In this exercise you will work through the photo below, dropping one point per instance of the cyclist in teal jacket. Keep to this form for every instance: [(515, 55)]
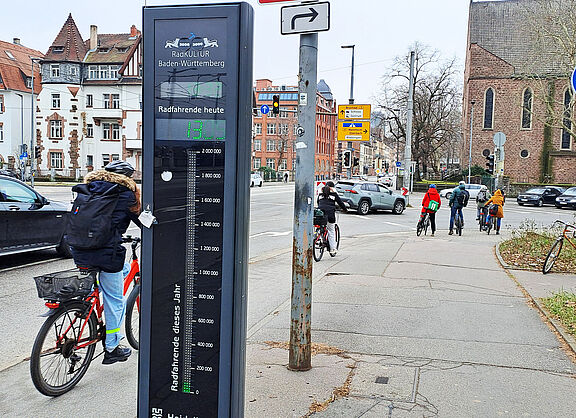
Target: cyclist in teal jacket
[(458, 200)]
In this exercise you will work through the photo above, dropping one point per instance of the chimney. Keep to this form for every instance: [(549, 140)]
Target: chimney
[(16, 41), (133, 31), (93, 36)]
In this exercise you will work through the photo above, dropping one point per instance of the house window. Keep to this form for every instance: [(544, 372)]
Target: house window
[(257, 145), (73, 71), (10, 55), (115, 101), (567, 121), (58, 49), (89, 161), (257, 163), (283, 164), (103, 72), (55, 101), (114, 71), (270, 145), (283, 114), (105, 160), (283, 129), (527, 109), (56, 160), (55, 70), (28, 82), (89, 131), (270, 162), (489, 109), (258, 128), (93, 71), (271, 129), (115, 157), (111, 130), (55, 129), (106, 100), (1, 132), (89, 100), (1, 104)]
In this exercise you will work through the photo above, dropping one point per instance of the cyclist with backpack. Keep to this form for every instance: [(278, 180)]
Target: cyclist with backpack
[(483, 196), (104, 206), (458, 200), (496, 208), (327, 200), (430, 204)]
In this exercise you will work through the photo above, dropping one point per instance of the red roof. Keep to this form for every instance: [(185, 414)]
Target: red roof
[(68, 45), (15, 66)]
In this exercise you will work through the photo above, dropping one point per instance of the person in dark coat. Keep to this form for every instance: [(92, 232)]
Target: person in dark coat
[(327, 200), (110, 259)]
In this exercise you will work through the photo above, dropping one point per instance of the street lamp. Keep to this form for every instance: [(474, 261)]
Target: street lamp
[(351, 100), (470, 152)]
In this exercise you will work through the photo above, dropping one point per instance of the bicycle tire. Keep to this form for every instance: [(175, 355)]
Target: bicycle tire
[(132, 321), (553, 254), (419, 228), (318, 245), (337, 233), (489, 225), (458, 225), (426, 224), (482, 222), (67, 318)]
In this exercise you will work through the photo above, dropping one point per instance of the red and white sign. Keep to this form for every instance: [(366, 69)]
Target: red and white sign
[(273, 1)]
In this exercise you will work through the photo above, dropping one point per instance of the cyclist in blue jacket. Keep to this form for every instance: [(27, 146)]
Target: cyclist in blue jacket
[(458, 200)]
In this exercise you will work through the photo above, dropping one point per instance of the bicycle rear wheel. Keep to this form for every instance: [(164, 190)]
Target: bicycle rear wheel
[(426, 223), (318, 245), (458, 225), (419, 227), (57, 363), (337, 233), (132, 321), (553, 254), (489, 225)]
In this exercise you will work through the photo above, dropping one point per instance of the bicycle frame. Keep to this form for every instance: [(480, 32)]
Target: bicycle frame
[(568, 228)]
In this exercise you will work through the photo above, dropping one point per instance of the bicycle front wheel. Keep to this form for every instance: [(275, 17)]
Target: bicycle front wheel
[(132, 321), (63, 349), (337, 233), (318, 245), (553, 254), (419, 228), (426, 224)]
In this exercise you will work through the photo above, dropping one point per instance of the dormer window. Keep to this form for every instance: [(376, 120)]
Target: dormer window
[(103, 50), (28, 83), (57, 49), (122, 49), (10, 55)]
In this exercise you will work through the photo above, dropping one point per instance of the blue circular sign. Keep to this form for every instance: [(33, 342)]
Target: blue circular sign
[(265, 109), (573, 80)]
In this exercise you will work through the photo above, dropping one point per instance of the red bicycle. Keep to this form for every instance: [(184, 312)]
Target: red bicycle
[(66, 342), (320, 242)]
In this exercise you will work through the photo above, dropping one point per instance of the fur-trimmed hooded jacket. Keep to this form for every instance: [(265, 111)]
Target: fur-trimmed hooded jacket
[(110, 258)]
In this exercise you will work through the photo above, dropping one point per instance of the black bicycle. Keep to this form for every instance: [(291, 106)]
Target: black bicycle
[(423, 224), (482, 218)]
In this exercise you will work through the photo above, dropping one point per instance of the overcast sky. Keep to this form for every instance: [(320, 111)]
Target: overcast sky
[(380, 29)]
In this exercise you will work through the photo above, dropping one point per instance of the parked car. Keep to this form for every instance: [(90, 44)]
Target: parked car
[(473, 189), (567, 199), (256, 180), (366, 196), (29, 221), (8, 173), (539, 196)]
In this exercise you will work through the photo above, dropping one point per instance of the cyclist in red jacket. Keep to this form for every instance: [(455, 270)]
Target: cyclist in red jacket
[(431, 203)]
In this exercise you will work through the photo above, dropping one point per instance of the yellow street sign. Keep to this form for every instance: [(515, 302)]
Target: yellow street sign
[(353, 131), (353, 111)]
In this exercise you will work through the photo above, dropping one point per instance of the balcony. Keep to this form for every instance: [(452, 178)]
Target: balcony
[(101, 113), (134, 144)]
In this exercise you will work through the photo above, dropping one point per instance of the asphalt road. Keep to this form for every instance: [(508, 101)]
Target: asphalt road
[(270, 235)]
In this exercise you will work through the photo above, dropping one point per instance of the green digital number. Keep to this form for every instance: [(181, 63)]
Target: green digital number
[(196, 132)]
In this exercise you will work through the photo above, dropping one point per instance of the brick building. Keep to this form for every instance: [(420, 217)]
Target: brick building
[(273, 143), (510, 75)]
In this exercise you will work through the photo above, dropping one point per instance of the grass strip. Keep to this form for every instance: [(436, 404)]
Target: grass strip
[(562, 306)]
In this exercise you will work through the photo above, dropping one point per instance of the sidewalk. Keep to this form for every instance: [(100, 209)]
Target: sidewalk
[(437, 322)]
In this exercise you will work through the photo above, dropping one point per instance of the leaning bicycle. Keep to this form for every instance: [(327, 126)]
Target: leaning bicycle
[(320, 242), (66, 343), (568, 234)]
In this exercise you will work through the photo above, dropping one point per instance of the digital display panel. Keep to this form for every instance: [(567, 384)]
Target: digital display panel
[(191, 89), (191, 129)]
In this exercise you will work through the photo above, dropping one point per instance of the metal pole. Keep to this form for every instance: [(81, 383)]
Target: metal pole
[(300, 344), (409, 111), (470, 152), (351, 101), (32, 131)]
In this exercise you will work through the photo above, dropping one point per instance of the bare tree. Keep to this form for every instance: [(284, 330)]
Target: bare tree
[(437, 106)]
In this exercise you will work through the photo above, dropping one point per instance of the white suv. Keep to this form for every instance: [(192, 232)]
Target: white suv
[(473, 190)]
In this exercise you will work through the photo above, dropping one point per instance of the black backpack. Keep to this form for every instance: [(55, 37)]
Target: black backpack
[(463, 197), (90, 221)]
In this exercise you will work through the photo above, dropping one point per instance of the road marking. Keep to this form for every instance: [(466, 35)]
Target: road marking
[(271, 234), (35, 263), (395, 224)]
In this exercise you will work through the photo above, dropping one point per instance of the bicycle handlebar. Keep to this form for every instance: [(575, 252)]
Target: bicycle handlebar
[(566, 225)]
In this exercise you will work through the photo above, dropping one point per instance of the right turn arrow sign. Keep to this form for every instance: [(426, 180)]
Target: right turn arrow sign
[(305, 18)]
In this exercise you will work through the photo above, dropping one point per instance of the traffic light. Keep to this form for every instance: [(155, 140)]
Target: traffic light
[(275, 104), (37, 152), (346, 159), (356, 161), (490, 164)]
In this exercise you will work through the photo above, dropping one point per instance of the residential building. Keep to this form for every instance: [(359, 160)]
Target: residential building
[(274, 136), (509, 76), (89, 110), (16, 101)]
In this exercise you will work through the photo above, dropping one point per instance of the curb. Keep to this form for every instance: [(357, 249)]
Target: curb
[(565, 336)]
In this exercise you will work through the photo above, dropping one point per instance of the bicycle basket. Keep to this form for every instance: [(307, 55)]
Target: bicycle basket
[(320, 218), (64, 285)]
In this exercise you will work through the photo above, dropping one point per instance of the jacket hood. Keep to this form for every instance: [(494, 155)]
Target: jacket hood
[(103, 175), (498, 193)]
